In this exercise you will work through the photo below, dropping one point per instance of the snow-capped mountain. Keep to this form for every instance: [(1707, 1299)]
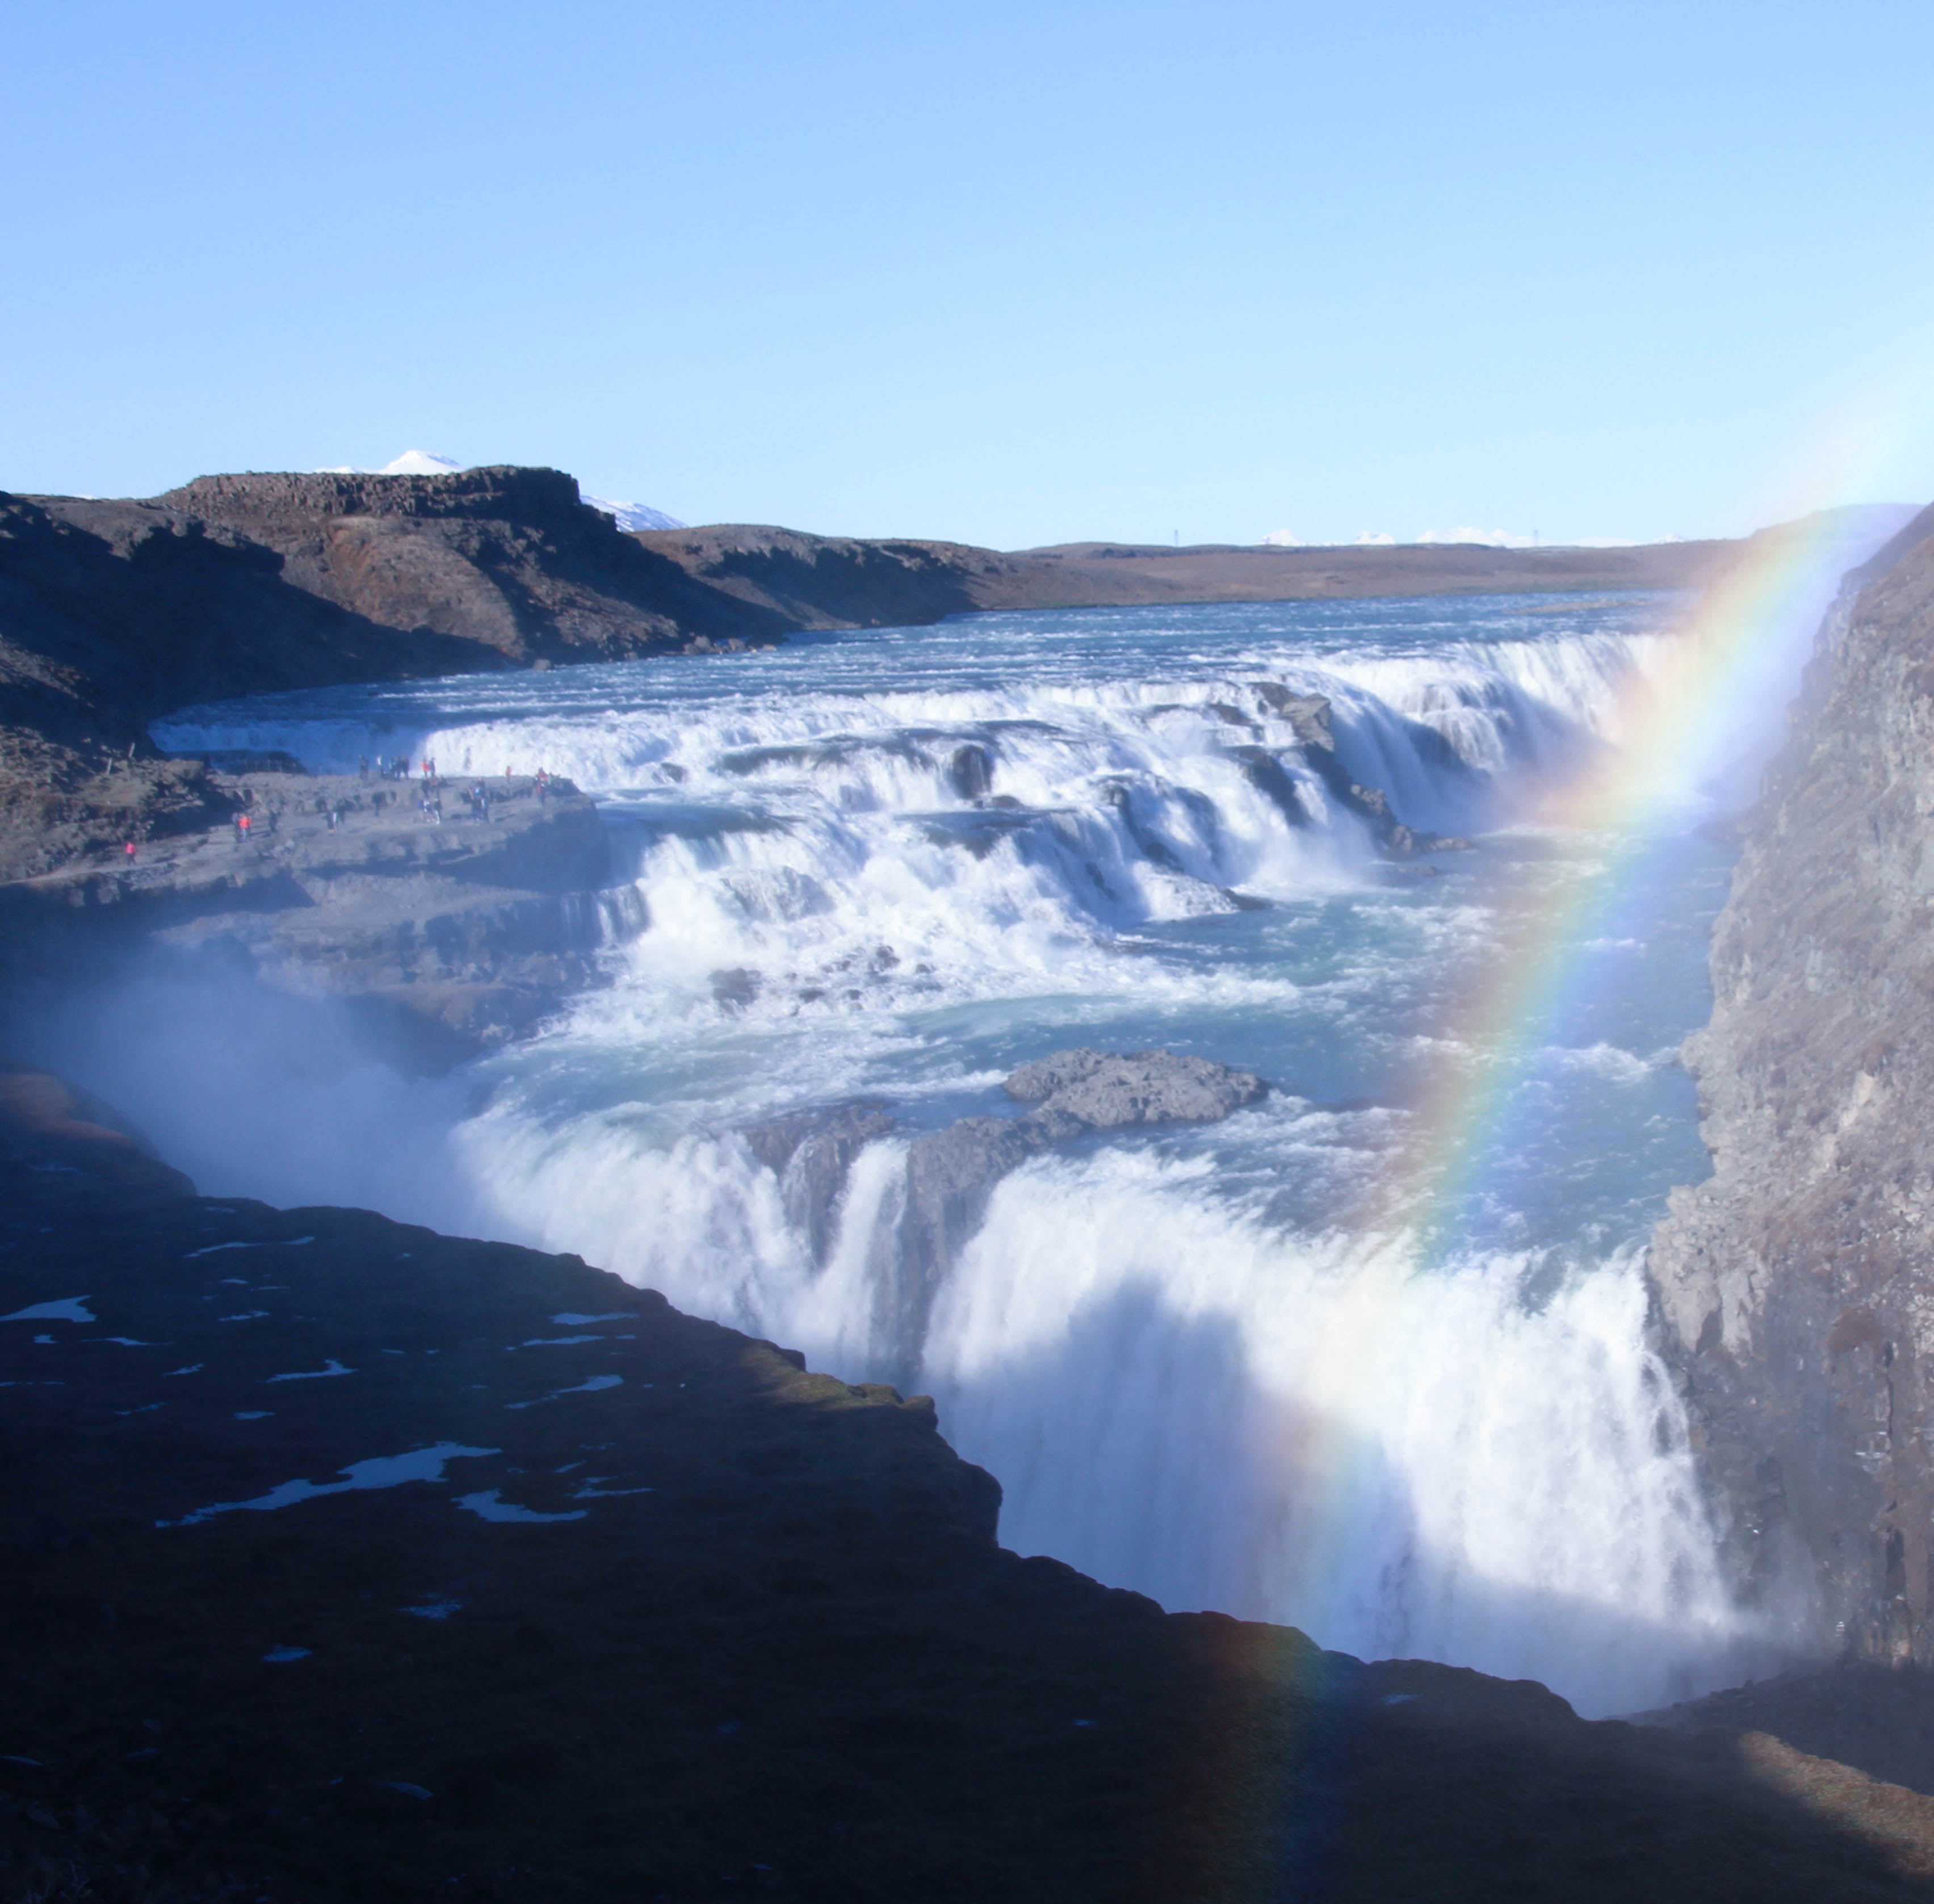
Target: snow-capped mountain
[(411, 463), (634, 515), (420, 462)]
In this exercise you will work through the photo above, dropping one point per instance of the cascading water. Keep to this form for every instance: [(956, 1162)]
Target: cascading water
[(867, 877)]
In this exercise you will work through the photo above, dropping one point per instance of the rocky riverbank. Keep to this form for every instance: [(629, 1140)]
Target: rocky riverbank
[(349, 1561), (453, 915), (1796, 1285)]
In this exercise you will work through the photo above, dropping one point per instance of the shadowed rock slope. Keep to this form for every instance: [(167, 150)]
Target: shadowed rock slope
[(1796, 1284), (445, 935), (347, 1561)]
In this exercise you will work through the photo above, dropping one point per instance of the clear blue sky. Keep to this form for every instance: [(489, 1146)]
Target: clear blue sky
[(1009, 273)]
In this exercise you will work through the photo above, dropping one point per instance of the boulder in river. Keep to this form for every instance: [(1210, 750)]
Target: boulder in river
[(951, 1174)]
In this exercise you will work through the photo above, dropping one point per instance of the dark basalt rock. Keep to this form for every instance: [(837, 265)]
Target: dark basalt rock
[(1309, 716), (811, 1153), (1271, 778), (970, 771)]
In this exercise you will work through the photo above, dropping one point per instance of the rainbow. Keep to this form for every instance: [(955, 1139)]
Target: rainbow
[(1258, 1777), (1736, 658)]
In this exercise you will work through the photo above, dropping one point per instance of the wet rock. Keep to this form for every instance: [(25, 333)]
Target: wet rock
[(971, 771), (1105, 1091), (951, 1173), (1149, 843), (812, 1152), (1268, 775), (734, 987), (1308, 714)]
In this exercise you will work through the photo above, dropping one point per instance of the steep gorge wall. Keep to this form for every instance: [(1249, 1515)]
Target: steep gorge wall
[(1796, 1284)]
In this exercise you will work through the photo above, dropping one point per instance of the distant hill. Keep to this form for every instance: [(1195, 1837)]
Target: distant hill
[(822, 581)]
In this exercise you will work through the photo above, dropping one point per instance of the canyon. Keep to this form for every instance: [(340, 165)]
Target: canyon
[(765, 1640)]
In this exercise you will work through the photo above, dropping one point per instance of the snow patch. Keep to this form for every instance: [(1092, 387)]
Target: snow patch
[(382, 1470), (72, 1308), (492, 1506), (591, 1386), (334, 1368)]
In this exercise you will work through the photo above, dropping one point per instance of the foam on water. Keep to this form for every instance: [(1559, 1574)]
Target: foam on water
[(892, 866)]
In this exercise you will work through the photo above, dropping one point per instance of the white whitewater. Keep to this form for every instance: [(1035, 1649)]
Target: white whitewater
[(894, 868)]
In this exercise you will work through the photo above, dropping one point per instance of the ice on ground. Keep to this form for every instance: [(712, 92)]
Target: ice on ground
[(193, 1369), (581, 1388), (334, 1368), (554, 1342), (381, 1470), (282, 1656), (436, 1609), (71, 1308), (571, 1320), (491, 1506), (255, 1415), (594, 1489), (210, 1249)]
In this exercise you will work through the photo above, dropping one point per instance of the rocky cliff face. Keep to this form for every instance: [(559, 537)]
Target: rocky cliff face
[(447, 935), (509, 558), (1796, 1285)]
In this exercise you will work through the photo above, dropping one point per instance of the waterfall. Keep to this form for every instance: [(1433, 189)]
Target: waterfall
[(858, 884)]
